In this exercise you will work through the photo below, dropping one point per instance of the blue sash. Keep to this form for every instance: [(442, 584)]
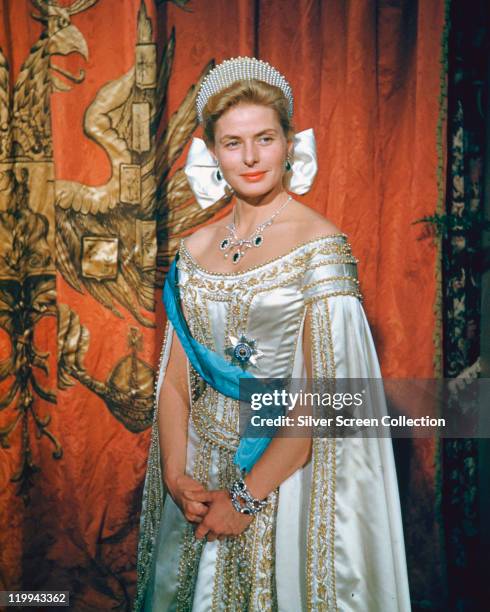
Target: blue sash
[(216, 371)]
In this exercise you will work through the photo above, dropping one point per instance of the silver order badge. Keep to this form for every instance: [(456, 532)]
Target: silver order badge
[(243, 351)]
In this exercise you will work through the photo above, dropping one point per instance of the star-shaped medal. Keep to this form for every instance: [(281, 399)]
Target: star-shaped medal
[(243, 351)]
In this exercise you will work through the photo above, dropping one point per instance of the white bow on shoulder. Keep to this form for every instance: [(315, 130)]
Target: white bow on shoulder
[(202, 171)]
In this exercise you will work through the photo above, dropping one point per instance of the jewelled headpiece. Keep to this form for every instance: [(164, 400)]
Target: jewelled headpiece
[(241, 69)]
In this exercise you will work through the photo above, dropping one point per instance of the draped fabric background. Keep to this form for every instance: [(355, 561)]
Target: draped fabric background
[(94, 125), (464, 264)]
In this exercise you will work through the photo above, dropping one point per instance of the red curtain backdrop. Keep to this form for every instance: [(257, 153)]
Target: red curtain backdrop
[(367, 76)]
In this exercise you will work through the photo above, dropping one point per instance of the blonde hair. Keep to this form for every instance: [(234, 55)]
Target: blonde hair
[(251, 92)]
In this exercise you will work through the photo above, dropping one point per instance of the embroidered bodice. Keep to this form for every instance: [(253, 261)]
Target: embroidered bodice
[(265, 304)]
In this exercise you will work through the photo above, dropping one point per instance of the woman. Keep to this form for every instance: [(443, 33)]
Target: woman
[(291, 523)]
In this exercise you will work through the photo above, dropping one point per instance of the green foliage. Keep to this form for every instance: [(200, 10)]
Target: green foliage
[(445, 224)]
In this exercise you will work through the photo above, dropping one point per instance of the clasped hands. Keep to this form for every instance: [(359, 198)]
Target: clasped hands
[(211, 511)]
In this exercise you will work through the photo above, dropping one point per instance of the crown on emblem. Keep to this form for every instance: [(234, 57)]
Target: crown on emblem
[(241, 69)]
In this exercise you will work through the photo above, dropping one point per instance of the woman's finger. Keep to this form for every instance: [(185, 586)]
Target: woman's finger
[(197, 508), (201, 531), (193, 518), (198, 496), (189, 483)]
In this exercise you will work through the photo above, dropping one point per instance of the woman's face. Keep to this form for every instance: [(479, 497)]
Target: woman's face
[(251, 148)]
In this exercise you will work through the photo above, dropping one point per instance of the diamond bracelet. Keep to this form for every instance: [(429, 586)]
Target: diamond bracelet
[(238, 491)]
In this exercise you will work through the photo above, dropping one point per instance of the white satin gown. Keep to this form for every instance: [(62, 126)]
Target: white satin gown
[(331, 537)]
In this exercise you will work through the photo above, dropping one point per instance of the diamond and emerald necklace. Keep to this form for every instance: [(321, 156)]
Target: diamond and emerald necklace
[(239, 246)]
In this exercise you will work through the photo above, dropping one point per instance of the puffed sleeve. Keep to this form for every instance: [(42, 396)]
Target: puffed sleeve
[(331, 271)]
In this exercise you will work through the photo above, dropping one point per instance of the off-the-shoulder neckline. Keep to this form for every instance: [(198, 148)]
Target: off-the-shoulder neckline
[(197, 265)]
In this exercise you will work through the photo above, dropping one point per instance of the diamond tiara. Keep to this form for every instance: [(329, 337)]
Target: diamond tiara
[(241, 69)]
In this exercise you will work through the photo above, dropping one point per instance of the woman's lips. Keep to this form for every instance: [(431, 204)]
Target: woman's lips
[(253, 177)]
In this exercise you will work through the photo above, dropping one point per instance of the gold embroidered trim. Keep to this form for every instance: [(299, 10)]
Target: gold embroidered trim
[(215, 286), (350, 259), (190, 548), (332, 482), (320, 561), (331, 279), (183, 250), (263, 595), (322, 296), (153, 495), (211, 429)]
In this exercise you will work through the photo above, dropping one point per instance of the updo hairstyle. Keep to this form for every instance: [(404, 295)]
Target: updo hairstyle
[(250, 92)]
